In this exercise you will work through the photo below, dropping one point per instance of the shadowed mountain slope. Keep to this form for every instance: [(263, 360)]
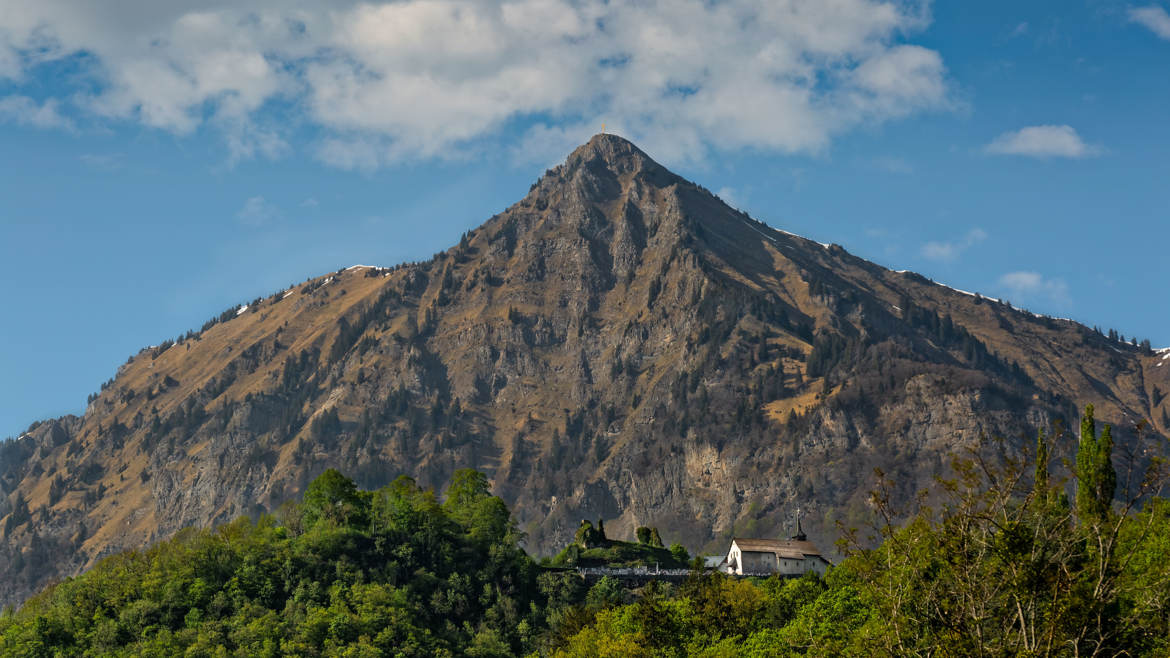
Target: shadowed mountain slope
[(618, 344)]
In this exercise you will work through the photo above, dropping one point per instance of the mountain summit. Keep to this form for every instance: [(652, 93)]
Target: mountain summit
[(618, 344)]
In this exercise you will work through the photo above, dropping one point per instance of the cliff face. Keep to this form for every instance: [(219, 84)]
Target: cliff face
[(618, 344)]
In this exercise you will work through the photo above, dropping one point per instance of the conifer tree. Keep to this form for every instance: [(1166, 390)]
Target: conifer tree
[(1106, 476), (1086, 460), (1096, 479), (1041, 477)]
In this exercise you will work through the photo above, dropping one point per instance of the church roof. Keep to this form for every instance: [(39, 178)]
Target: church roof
[(785, 548)]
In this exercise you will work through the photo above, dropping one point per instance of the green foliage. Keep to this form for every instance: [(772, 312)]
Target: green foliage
[(345, 572), (999, 568), (648, 536), (712, 615), (589, 537), (334, 498), (1040, 477), (1096, 479), (486, 517), (615, 553), (643, 534)]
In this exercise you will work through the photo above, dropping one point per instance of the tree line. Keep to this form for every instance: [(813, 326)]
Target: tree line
[(1060, 550)]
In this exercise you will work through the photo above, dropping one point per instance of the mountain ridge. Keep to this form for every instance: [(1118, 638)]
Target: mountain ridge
[(617, 343)]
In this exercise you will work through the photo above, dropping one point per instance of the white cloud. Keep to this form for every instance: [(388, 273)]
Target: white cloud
[(1032, 286), (25, 111), (950, 251), (430, 78), (257, 211), (246, 140), (1019, 30), (1041, 142), (1153, 17), (896, 82)]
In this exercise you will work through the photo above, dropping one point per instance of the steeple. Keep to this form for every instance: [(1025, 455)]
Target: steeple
[(799, 536)]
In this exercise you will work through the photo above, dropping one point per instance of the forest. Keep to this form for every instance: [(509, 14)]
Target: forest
[(1054, 550)]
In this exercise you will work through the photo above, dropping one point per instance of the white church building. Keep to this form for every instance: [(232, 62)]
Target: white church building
[(789, 557)]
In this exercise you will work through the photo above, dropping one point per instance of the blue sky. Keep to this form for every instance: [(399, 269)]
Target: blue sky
[(159, 164)]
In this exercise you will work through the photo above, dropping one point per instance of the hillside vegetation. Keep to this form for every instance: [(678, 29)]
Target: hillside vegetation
[(591, 548), (1006, 564), (345, 572)]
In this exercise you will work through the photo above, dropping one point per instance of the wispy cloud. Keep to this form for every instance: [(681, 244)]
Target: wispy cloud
[(1042, 142), (257, 211), (387, 81), (1025, 286), (951, 251), (26, 111), (1152, 17), (1019, 30)]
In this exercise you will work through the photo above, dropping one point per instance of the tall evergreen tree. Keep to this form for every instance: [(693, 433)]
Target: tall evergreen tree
[(1086, 460), (1096, 479), (1106, 476), (1041, 476)]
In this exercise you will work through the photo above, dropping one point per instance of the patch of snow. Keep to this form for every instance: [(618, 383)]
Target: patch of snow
[(1050, 317), (969, 294), (354, 267), (762, 234), (327, 281), (287, 293), (240, 311), (823, 244)]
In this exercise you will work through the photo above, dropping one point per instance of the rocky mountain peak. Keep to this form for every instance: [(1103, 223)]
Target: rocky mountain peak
[(601, 170), (611, 151), (618, 344)]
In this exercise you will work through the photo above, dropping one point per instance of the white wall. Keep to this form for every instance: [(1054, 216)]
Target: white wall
[(767, 562)]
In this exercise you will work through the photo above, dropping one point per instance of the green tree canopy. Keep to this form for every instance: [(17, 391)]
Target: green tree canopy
[(334, 497), (470, 502)]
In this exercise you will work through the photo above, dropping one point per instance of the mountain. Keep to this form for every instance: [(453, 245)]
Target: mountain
[(618, 344)]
